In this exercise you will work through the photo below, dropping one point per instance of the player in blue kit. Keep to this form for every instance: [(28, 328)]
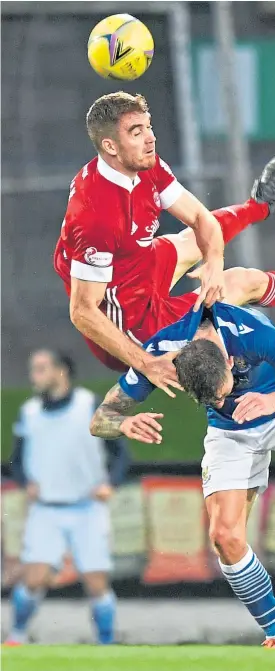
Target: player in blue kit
[(225, 358)]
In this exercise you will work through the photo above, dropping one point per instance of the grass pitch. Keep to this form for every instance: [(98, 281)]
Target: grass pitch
[(137, 658)]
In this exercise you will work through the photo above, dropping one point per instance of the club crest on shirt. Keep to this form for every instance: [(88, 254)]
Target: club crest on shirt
[(241, 371), (157, 200)]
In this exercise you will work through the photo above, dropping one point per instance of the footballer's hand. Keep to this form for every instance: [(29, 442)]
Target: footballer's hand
[(32, 491), (103, 493), (162, 373), (143, 427), (253, 405), (263, 190), (212, 281)]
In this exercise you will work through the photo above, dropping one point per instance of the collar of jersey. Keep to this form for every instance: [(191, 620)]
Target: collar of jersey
[(195, 320), (115, 176)]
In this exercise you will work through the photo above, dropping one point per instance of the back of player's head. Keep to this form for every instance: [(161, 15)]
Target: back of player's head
[(202, 370), (105, 113)]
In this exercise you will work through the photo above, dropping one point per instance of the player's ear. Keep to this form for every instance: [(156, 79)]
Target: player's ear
[(230, 362), (109, 146)]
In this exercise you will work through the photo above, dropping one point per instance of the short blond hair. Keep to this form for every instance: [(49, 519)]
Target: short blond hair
[(105, 113)]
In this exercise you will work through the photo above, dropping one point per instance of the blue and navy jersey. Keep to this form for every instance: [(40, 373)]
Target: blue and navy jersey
[(247, 335)]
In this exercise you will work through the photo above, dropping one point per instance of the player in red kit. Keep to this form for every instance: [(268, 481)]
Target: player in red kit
[(118, 276)]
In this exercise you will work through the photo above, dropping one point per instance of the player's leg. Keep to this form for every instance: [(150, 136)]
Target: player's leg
[(232, 220), (235, 467), (90, 544), (246, 285), (43, 548)]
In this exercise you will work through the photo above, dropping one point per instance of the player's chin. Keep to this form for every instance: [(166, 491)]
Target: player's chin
[(148, 161)]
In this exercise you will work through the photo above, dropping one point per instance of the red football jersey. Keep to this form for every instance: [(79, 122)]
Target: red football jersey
[(107, 234)]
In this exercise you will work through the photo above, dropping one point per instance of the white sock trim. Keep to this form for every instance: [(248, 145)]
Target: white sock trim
[(234, 568)]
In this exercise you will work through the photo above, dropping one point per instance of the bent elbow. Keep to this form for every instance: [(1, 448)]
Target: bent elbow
[(79, 314)]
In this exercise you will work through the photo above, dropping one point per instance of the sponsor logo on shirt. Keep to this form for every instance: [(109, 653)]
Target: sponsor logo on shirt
[(134, 228), (235, 330), (98, 259), (151, 230), (243, 329)]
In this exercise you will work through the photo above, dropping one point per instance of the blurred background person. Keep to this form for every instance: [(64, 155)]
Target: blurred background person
[(64, 471)]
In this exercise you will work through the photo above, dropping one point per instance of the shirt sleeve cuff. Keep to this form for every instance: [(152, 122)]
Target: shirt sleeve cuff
[(172, 192), (90, 273)]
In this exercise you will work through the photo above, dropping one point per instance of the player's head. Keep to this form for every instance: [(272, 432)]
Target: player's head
[(119, 125), (50, 371), (204, 372)]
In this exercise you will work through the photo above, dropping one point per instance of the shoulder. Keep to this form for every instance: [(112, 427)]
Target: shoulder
[(84, 396), (245, 316), (31, 407), (160, 168), (83, 191), (169, 339)]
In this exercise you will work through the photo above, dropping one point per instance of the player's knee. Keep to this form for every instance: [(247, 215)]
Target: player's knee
[(36, 576), (226, 540)]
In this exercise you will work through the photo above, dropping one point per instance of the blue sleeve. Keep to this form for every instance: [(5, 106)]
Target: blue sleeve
[(261, 341), (136, 385), (171, 338)]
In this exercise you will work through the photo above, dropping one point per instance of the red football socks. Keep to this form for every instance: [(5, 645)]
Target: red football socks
[(236, 218)]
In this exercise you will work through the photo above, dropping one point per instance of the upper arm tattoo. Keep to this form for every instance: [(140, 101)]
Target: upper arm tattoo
[(111, 413)]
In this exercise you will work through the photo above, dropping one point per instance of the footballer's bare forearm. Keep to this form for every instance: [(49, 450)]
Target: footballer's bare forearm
[(209, 236), (111, 413), (206, 227), (93, 324)]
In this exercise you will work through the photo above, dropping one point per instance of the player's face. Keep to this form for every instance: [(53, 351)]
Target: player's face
[(136, 142), (43, 372)]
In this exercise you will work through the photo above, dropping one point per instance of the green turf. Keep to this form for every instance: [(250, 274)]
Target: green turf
[(142, 658), (183, 426)]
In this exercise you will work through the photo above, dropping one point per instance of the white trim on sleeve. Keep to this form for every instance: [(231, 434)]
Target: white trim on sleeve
[(90, 273), (172, 192)]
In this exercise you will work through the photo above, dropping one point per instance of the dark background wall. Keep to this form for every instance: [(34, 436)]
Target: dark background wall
[(47, 87)]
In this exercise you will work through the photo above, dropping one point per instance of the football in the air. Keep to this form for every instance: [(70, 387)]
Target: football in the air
[(120, 47)]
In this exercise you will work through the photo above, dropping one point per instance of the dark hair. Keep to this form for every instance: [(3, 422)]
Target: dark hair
[(105, 113), (201, 369), (60, 359), (63, 360)]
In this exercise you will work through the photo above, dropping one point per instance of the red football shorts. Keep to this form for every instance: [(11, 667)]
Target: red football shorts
[(162, 309)]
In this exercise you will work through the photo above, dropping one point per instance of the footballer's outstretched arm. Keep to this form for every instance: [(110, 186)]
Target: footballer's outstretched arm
[(91, 322), (110, 419), (209, 239)]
